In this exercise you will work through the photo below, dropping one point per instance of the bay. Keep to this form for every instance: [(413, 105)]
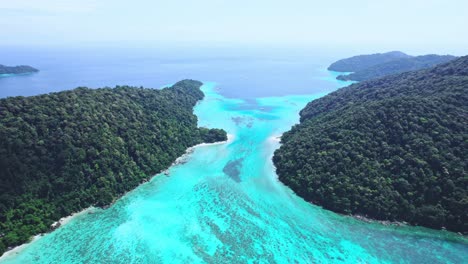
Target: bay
[(224, 204)]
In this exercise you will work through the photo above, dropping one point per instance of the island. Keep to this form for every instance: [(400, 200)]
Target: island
[(362, 62), (66, 151), (395, 66), (22, 69), (393, 148)]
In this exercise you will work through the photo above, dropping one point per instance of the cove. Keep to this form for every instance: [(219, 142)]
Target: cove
[(224, 204)]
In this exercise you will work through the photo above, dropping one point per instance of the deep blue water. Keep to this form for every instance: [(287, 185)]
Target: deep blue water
[(238, 73)]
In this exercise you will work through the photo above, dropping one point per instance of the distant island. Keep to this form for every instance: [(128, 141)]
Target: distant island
[(393, 148), (22, 69), (386, 65), (63, 152), (362, 62)]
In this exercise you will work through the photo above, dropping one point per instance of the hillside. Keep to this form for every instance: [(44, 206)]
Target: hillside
[(362, 62), (17, 69), (396, 66), (66, 151), (392, 148)]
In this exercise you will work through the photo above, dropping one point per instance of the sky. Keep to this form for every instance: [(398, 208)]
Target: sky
[(425, 25)]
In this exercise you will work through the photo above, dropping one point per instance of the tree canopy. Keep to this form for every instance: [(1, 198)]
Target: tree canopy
[(63, 152), (396, 66), (393, 148), (361, 62), (17, 69)]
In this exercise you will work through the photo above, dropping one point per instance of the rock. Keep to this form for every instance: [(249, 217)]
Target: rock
[(55, 225)]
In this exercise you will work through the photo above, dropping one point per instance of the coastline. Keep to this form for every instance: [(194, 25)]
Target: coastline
[(393, 223), (183, 159), (275, 138), (370, 220), (230, 138), (61, 222), (66, 219), (16, 250), (5, 75)]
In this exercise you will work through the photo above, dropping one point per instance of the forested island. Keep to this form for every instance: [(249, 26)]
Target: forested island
[(395, 66), (393, 148), (362, 62), (22, 69), (63, 152)]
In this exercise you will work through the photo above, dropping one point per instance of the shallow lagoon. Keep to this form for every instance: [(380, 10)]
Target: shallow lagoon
[(225, 205)]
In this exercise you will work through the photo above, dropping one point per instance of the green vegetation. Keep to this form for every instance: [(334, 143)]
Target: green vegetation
[(362, 62), (63, 152), (393, 148), (17, 69), (396, 66)]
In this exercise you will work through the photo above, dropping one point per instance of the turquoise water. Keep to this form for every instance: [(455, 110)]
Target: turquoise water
[(225, 205)]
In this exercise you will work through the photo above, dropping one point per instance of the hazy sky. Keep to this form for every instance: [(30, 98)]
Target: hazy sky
[(431, 25)]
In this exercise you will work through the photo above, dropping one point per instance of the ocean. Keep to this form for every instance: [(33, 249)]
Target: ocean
[(238, 73)]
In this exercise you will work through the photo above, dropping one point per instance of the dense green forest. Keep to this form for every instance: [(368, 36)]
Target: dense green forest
[(62, 152), (362, 62), (393, 148), (17, 69), (396, 66)]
